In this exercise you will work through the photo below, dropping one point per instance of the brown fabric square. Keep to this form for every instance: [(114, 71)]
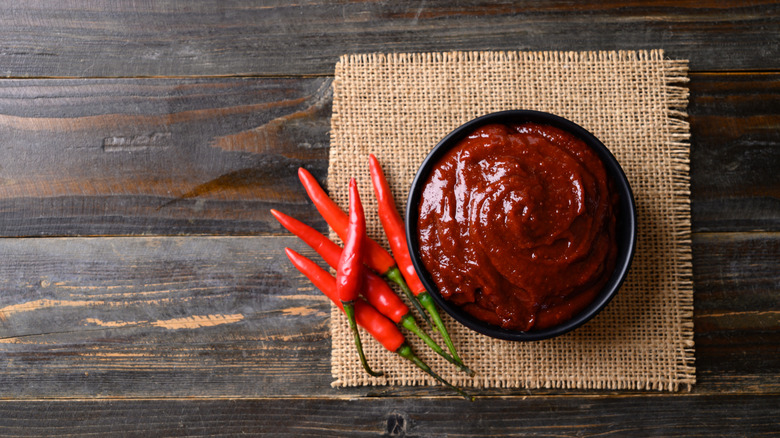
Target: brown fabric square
[(398, 106)]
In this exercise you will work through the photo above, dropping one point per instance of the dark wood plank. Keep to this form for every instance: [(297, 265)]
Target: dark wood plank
[(158, 156), (735, 151), (210, 37), (687, 415), (737, 310), (211, 156), (230, 317), (179, 316)]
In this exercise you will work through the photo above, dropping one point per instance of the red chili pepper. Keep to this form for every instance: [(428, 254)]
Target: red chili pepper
[(377, 258), (394, 226), (375, 289), (396, 235), (378, 326), (349, 278), (350, 270)]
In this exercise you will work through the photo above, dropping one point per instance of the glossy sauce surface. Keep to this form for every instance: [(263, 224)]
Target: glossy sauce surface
[(517, 226)]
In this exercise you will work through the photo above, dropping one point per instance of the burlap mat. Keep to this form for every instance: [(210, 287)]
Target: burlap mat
[(398, 106)]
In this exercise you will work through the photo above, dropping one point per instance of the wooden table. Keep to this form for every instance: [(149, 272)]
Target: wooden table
[(144, 291)]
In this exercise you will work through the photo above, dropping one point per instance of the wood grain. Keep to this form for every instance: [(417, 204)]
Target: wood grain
[(209, 37), (230, 317), (158, 156), (668, 416), (109, 317), (736, 310), (735, 151), (211, 156), (194, 324)]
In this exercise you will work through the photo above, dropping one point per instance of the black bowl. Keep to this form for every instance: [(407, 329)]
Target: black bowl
[(625, 231)]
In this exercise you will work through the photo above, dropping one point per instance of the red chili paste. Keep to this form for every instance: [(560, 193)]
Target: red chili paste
[(517, 225)]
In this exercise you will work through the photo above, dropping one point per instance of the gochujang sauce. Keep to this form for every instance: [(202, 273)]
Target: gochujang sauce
[(517, 225)]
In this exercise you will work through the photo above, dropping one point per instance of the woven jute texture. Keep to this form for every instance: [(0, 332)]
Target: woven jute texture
[(398, 106)]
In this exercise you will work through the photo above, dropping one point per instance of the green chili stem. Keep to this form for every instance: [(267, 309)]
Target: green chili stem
[(427, 302), (349, 310), (405, 351), (394, 275), (410, 324)]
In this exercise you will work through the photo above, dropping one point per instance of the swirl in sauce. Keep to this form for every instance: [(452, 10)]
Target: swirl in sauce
[(517, 225)]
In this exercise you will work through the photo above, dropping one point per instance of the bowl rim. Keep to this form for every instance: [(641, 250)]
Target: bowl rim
[(626, 229)]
